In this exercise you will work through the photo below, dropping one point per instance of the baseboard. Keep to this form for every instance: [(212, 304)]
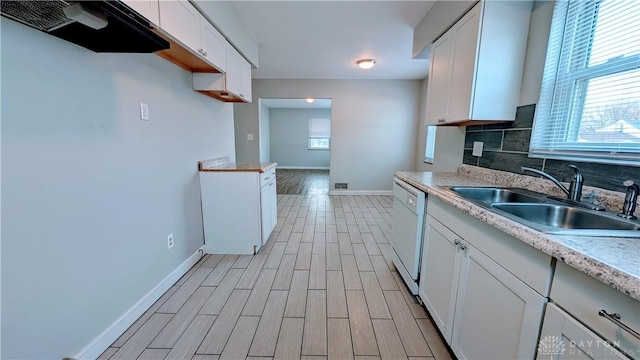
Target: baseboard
[(303, 167), (360, 192), (113, 332)]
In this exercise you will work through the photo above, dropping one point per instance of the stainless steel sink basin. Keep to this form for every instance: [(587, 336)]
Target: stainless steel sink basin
[(565, 217), (548, 214), (491, 195)]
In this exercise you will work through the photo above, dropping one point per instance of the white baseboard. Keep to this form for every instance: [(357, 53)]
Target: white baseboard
[(360, 192), (113, 332), (304, 167)]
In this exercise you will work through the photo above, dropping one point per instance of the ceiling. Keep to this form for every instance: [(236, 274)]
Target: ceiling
[(323, 39), (296, 103)]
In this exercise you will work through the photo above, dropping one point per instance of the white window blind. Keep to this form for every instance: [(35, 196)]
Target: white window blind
[(589, 106), (319, 133), (430, 144)]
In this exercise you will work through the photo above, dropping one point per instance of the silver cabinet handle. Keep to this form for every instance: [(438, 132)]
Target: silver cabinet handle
[(241, 95), (463, 247), (615, 318), (456, 242), (441, 120)]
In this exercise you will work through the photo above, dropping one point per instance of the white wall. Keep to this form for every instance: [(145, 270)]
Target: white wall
[(373, 124), (90, 192), (290, 138), (264, 135)]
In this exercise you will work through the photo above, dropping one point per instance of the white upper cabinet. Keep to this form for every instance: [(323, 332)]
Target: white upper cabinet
[(148, 9), (181, 20), (213, 44), (476, 66), (196, 45), (232, 86)]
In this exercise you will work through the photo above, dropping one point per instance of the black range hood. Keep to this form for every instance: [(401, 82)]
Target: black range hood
[(125, 31)]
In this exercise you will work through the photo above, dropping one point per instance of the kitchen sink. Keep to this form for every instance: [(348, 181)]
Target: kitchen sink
[(491, 195), (548, 214), (565, 217)]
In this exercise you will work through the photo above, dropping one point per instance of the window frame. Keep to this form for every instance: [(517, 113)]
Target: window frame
[(575, 74)]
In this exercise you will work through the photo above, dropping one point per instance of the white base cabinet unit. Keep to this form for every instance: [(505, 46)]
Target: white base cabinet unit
[(577, 322), (476, 66), (484, 290), (239, 210)]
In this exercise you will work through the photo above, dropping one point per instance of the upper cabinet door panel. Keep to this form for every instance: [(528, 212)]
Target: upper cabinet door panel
[(438, 80), (213, 45), (464, 45), (182, 21), (148, 9)]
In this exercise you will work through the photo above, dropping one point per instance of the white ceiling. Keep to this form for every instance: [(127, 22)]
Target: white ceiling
[(323, 39), (296, 103)]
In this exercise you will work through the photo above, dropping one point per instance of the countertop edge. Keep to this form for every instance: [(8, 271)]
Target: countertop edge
[(240, 167), (606, 273)]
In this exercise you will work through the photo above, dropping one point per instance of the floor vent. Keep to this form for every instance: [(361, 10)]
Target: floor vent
[(341, 186)]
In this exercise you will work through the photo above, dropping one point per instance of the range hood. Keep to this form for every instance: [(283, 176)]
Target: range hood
[(101, 26)]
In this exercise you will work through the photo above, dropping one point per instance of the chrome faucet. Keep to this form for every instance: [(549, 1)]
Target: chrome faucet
[(630, 200), (575, 186)]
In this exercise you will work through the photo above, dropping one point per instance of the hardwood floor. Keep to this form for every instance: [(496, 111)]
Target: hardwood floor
[(323, 287), (302, 181)]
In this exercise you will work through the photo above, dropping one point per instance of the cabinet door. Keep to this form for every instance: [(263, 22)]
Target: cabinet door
[(563, 337), (148, 9), (437, 87), (182, 21), (265, 212), (233, 71), (497, 315), (464, 43), (213, 45), (439, 274), (244, 78), (274, 204)]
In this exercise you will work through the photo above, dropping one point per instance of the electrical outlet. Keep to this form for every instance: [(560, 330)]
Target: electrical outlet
[(250, 137), (144, 111), (170, 241)]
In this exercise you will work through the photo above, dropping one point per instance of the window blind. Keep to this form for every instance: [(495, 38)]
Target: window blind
[(319, 128), (589, 107)]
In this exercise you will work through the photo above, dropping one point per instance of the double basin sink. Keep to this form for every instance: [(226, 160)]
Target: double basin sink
[(548, 214)]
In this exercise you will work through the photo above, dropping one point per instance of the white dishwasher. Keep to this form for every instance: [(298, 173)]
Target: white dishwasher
[(406, 239)]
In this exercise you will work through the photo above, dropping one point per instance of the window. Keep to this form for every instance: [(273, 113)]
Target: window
[(589, 106), (430, 147), (319, 134)]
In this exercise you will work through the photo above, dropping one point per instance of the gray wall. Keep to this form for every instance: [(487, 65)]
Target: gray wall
[(373, 124), (90, 192), (290, 138), (264, 136)]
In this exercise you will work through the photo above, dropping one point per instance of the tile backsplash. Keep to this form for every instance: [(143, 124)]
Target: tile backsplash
[(506, 147)]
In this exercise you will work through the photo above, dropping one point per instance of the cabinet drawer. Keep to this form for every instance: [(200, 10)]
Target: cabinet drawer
[(583, 297), (267, 176)]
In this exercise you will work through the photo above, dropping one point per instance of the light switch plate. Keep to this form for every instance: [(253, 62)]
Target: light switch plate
[(477, 148), (144, 111), (249, 136)]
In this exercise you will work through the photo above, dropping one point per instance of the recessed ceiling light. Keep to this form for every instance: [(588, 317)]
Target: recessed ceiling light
[(310, 100), (366, 63)]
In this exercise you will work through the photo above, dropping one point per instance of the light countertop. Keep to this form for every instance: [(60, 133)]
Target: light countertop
[(233, 166), (612, 260)]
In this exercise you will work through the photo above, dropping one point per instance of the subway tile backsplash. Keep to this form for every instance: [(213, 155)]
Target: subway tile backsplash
[(506, 147)]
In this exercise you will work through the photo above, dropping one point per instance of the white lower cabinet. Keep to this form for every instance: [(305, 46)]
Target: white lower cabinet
[(482, 309), (563, 337), (239, 210)]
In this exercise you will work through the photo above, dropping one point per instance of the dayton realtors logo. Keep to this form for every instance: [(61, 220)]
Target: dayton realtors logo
[(551, 346)]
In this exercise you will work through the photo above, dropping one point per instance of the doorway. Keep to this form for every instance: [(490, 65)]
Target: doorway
[(296, 134)]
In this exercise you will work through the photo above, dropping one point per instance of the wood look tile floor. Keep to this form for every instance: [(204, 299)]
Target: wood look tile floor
[(323, 287), (302, 181)]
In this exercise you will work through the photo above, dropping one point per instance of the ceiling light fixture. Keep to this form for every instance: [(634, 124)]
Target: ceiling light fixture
[(311, 100), (366, 63)]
